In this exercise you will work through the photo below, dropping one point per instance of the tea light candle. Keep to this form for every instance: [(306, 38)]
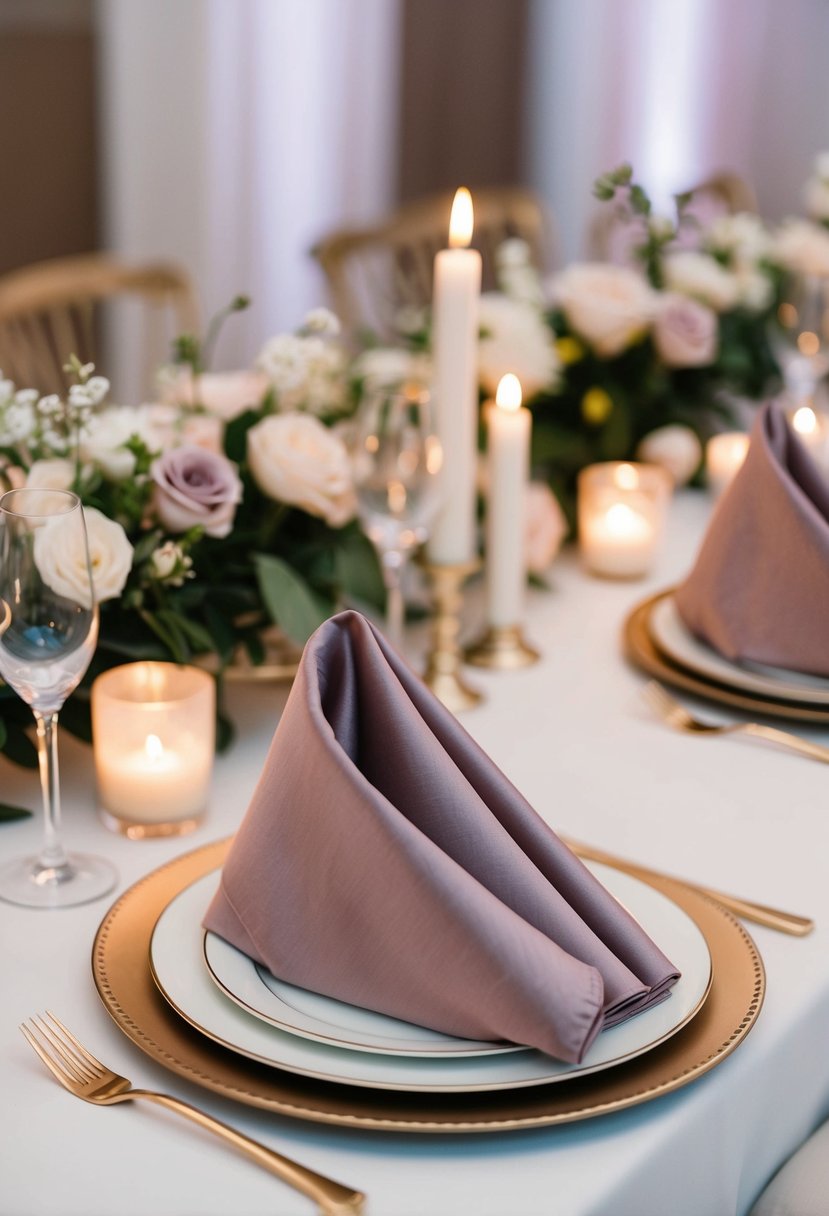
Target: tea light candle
[(724, 454), (455, 337), (153, 729), (508, 460), (621, 510), (810, 429)]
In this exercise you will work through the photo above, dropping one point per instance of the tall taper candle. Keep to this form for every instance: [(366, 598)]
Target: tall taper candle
[(508, 462), (455, 337)]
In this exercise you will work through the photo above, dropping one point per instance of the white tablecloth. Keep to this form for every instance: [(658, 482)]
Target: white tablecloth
[(574, 734)]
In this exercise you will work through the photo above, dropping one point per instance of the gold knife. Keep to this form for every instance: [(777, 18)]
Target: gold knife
[(771, 918)]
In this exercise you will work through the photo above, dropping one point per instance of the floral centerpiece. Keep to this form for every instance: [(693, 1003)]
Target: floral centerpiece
[(641, 360), (223, 509)]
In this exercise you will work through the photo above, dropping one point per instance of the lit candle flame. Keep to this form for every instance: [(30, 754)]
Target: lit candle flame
[(805, 420), (626, 477), (508, 395), (154, 748), (461, 221)]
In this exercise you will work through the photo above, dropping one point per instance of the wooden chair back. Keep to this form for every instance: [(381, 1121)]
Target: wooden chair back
[(374, 273), (63, 306)]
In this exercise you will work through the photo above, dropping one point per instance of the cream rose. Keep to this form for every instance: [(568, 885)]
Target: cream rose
[(608, 306), (685, 332), (515, 339), (295, 459), (544, 527), (675, 448), (802, 247), (703, 278), (60, 556), (224, 394), (54, 474)]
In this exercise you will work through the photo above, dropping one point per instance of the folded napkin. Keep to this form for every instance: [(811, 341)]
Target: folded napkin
[(760, 586), (386, 861)]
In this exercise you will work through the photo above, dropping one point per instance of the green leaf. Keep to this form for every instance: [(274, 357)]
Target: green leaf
[(196, 634), (358, 570), (172, 639), (289, 600), (8, 813), (221, 631), (236, 435)]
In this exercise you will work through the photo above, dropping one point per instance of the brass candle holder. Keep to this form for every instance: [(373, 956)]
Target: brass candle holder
[(444, 661), (503, 648)]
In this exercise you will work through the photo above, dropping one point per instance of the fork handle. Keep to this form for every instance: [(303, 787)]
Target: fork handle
[(793, 742), (333, 1198), (759, 914)]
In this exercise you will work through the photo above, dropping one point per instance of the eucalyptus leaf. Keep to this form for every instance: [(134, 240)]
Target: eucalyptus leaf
[(358, 570), (290, 601)]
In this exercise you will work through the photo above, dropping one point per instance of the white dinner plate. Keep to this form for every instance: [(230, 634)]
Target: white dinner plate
[(177, 962), (672, 636), (324, 1019)]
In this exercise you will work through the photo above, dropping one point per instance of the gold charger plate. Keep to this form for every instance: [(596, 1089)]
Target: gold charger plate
[(122, 976), (643, 652)]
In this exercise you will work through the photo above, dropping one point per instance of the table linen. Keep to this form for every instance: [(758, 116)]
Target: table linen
[(574, 734)]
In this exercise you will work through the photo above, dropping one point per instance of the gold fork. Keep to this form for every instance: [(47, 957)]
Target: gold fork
[(678, 716), (85, 1077)]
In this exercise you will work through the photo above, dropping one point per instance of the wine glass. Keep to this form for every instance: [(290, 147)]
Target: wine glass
[(800, 335), (396, 461), (48, 632)]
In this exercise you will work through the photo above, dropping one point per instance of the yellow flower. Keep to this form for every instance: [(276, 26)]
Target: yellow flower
[(569, 350), (596, 406)]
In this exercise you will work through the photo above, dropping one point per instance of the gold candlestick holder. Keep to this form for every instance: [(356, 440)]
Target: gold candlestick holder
[(444, 661), (503, 648)]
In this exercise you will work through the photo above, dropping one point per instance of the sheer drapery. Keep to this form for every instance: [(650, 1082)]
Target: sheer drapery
[(236, 132), (682, 89)]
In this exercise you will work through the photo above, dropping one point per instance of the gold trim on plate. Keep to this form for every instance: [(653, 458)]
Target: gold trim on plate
[(122, 976), (643, 652)]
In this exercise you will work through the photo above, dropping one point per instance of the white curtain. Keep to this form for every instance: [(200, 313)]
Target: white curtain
[(682, 89), (238, 132)]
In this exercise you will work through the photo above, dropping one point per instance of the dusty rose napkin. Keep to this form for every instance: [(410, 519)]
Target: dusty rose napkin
[(386, 861), (760, 586)]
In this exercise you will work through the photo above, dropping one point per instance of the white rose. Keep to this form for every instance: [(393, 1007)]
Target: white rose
[(755, 288), (675, 448), (515, 338), (51, 475), (703, 278), (295, 459), (608, 306), (802, 247), (105, 434), (61, 557), (544, 526)]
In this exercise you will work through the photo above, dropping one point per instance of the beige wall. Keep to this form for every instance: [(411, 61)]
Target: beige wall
[(48, 204)]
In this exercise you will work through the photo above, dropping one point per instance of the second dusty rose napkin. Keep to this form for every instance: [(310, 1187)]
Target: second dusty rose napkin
[(386, 861), (759, 589)]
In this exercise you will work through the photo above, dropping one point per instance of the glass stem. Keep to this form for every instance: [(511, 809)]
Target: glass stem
[(52, 855), (392, 562)]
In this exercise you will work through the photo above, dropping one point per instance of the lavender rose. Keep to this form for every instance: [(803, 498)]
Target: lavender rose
[(684, 332), (195, 487)]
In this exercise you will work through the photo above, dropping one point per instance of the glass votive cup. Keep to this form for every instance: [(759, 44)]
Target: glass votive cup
[(154, 735), (724, 455), (621, 514)]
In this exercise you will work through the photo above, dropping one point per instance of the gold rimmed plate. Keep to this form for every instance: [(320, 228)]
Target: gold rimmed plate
[(644, 652), (122, 976)]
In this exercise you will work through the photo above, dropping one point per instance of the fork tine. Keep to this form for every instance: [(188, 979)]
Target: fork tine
[(79, 1047), (55, 1067), (72, 1061)]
